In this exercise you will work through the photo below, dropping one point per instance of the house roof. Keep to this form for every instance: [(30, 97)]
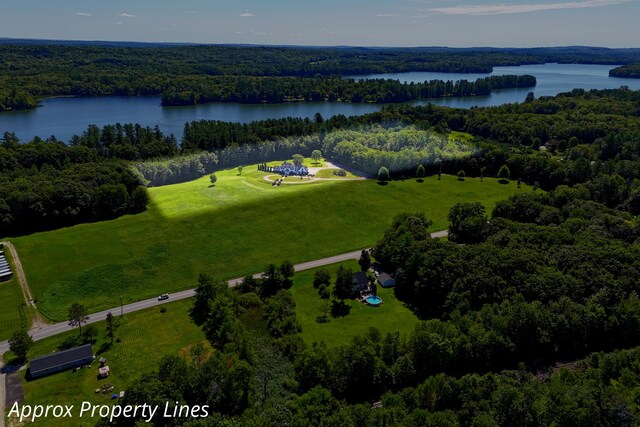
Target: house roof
[(71, 355), (361, 278), (384, 278)]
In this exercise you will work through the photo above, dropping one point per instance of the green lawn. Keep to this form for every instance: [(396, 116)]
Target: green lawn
[(146, 336), (391, 316), (13, 314), (228, 230), (329, 173)]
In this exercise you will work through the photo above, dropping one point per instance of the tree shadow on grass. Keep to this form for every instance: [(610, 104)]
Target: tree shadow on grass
[(503, 181), (322, 319), (420, 180), (104, 348), (340, 309), (69, 342), (383, 183)]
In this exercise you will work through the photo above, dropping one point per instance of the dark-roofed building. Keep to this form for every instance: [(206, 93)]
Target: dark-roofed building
[(386, 281), (60, 361), (360, 281)]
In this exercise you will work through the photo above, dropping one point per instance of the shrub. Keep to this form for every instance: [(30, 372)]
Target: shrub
[(383, 174)]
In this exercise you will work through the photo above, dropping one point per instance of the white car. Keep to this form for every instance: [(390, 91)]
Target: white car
[(163, 297)]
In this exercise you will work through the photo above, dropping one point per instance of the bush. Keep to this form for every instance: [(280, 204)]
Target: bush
[(383, 174), (163, 310), (461, 175)]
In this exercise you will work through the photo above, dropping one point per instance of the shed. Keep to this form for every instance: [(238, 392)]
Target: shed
[(103, 372), (61, 360), (386, 281)]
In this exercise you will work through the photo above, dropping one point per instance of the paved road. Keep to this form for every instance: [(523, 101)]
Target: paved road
[(50, 330)]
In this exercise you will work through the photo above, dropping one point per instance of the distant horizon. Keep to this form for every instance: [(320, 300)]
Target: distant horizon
[(357, 23), (187, 43)]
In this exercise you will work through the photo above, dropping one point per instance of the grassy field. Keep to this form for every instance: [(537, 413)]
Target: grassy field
[(146, 336), (13, 314), (228, 230), (391, 316)]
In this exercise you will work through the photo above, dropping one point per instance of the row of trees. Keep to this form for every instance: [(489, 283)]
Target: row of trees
[(177, 169), (252, 90)]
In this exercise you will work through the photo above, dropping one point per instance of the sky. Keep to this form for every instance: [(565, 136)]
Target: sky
[(455, 23)]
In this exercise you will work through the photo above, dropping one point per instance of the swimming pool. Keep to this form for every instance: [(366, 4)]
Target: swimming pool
[(374, 300)]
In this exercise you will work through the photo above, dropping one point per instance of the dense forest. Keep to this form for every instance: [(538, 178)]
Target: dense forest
[(46, 184), (270, 90), (630, 71), (32, 70)]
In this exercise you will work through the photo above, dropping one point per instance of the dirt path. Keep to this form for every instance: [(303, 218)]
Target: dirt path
[(36, 319)]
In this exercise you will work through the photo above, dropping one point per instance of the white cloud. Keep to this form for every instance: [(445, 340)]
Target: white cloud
[(191, 12), (83, 14), (127, 15), (503, 9), (247, 14), (119, 23), (385, 15)]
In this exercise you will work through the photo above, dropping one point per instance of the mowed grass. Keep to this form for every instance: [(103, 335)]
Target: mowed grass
[(13, 311), (146, 336), (228, 230), (391, 316)]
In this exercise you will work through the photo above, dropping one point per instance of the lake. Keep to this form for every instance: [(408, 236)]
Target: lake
[(64, 117)]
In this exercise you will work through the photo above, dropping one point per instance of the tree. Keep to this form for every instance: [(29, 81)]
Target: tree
[(139, 199), (461, 175), (420, 172), (383, 174), (504, 173), (365, 260), (325, 294), (344, 283), (321, 277), (20, 343), (78, 315), (316, 155), (287, 271), (468, 222), (111, 327), (298, 159), (239, 170)]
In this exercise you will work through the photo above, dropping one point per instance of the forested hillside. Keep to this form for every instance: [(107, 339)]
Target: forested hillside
[(189, 74)]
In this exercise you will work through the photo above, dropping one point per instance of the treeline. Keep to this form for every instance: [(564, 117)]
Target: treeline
[(46, 184), (398, 149), (177, 169), (252, 90), (41, 70), (629, 71)]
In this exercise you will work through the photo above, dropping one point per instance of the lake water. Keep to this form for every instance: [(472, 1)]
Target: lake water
[(64, 117)]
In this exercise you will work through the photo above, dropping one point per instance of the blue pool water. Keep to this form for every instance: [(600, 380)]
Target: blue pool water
[(374, 300)]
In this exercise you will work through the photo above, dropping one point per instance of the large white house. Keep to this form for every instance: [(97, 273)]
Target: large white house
[(288, 169)]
